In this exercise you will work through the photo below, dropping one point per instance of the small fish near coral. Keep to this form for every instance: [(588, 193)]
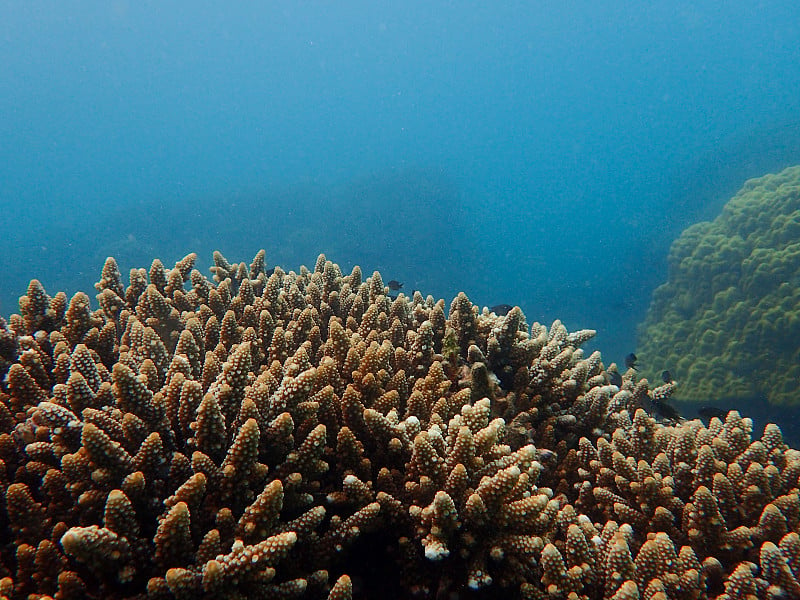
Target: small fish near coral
[(615, 378), (501, 310), (664, 410), (394, 285)]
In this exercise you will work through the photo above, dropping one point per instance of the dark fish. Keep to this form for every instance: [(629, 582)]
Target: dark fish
[(666, 377), (392, 297), (269, 271), (630, 361), (394, 285), (709, 412), (501, 310), (615, 378), (665, 410)]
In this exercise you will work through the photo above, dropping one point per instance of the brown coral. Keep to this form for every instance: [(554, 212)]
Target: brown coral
[(303, 435)]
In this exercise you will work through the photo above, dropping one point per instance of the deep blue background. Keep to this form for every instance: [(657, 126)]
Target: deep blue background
[(535, 153)]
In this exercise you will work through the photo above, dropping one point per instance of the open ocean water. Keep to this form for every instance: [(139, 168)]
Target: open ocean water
[(537, 154)]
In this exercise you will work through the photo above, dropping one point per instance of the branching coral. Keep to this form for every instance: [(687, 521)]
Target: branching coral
[(304, 435)]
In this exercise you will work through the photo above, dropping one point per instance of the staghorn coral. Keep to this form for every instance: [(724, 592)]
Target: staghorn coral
[(302, 435), (727, 320)]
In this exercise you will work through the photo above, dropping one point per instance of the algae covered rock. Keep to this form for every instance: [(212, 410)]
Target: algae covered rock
[(727, 322)]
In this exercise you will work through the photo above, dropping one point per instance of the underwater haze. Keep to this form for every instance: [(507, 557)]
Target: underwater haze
[(540, 154)]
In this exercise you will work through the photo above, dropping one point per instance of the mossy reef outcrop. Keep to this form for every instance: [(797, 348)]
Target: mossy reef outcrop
[(727, 322)]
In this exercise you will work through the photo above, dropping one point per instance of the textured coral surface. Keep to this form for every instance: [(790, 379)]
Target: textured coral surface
[(304, 435), (727, 321)]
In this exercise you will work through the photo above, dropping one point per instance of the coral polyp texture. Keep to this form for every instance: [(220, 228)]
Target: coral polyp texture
[(304, 435), (727, 321)]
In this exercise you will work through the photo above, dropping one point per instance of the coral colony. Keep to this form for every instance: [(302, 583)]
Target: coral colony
[(302, 435), (727, 322)]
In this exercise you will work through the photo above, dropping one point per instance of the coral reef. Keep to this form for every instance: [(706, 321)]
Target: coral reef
[(727, 321), (302, 435)]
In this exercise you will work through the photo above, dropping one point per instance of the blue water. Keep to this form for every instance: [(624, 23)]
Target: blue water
[(535, 153)]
